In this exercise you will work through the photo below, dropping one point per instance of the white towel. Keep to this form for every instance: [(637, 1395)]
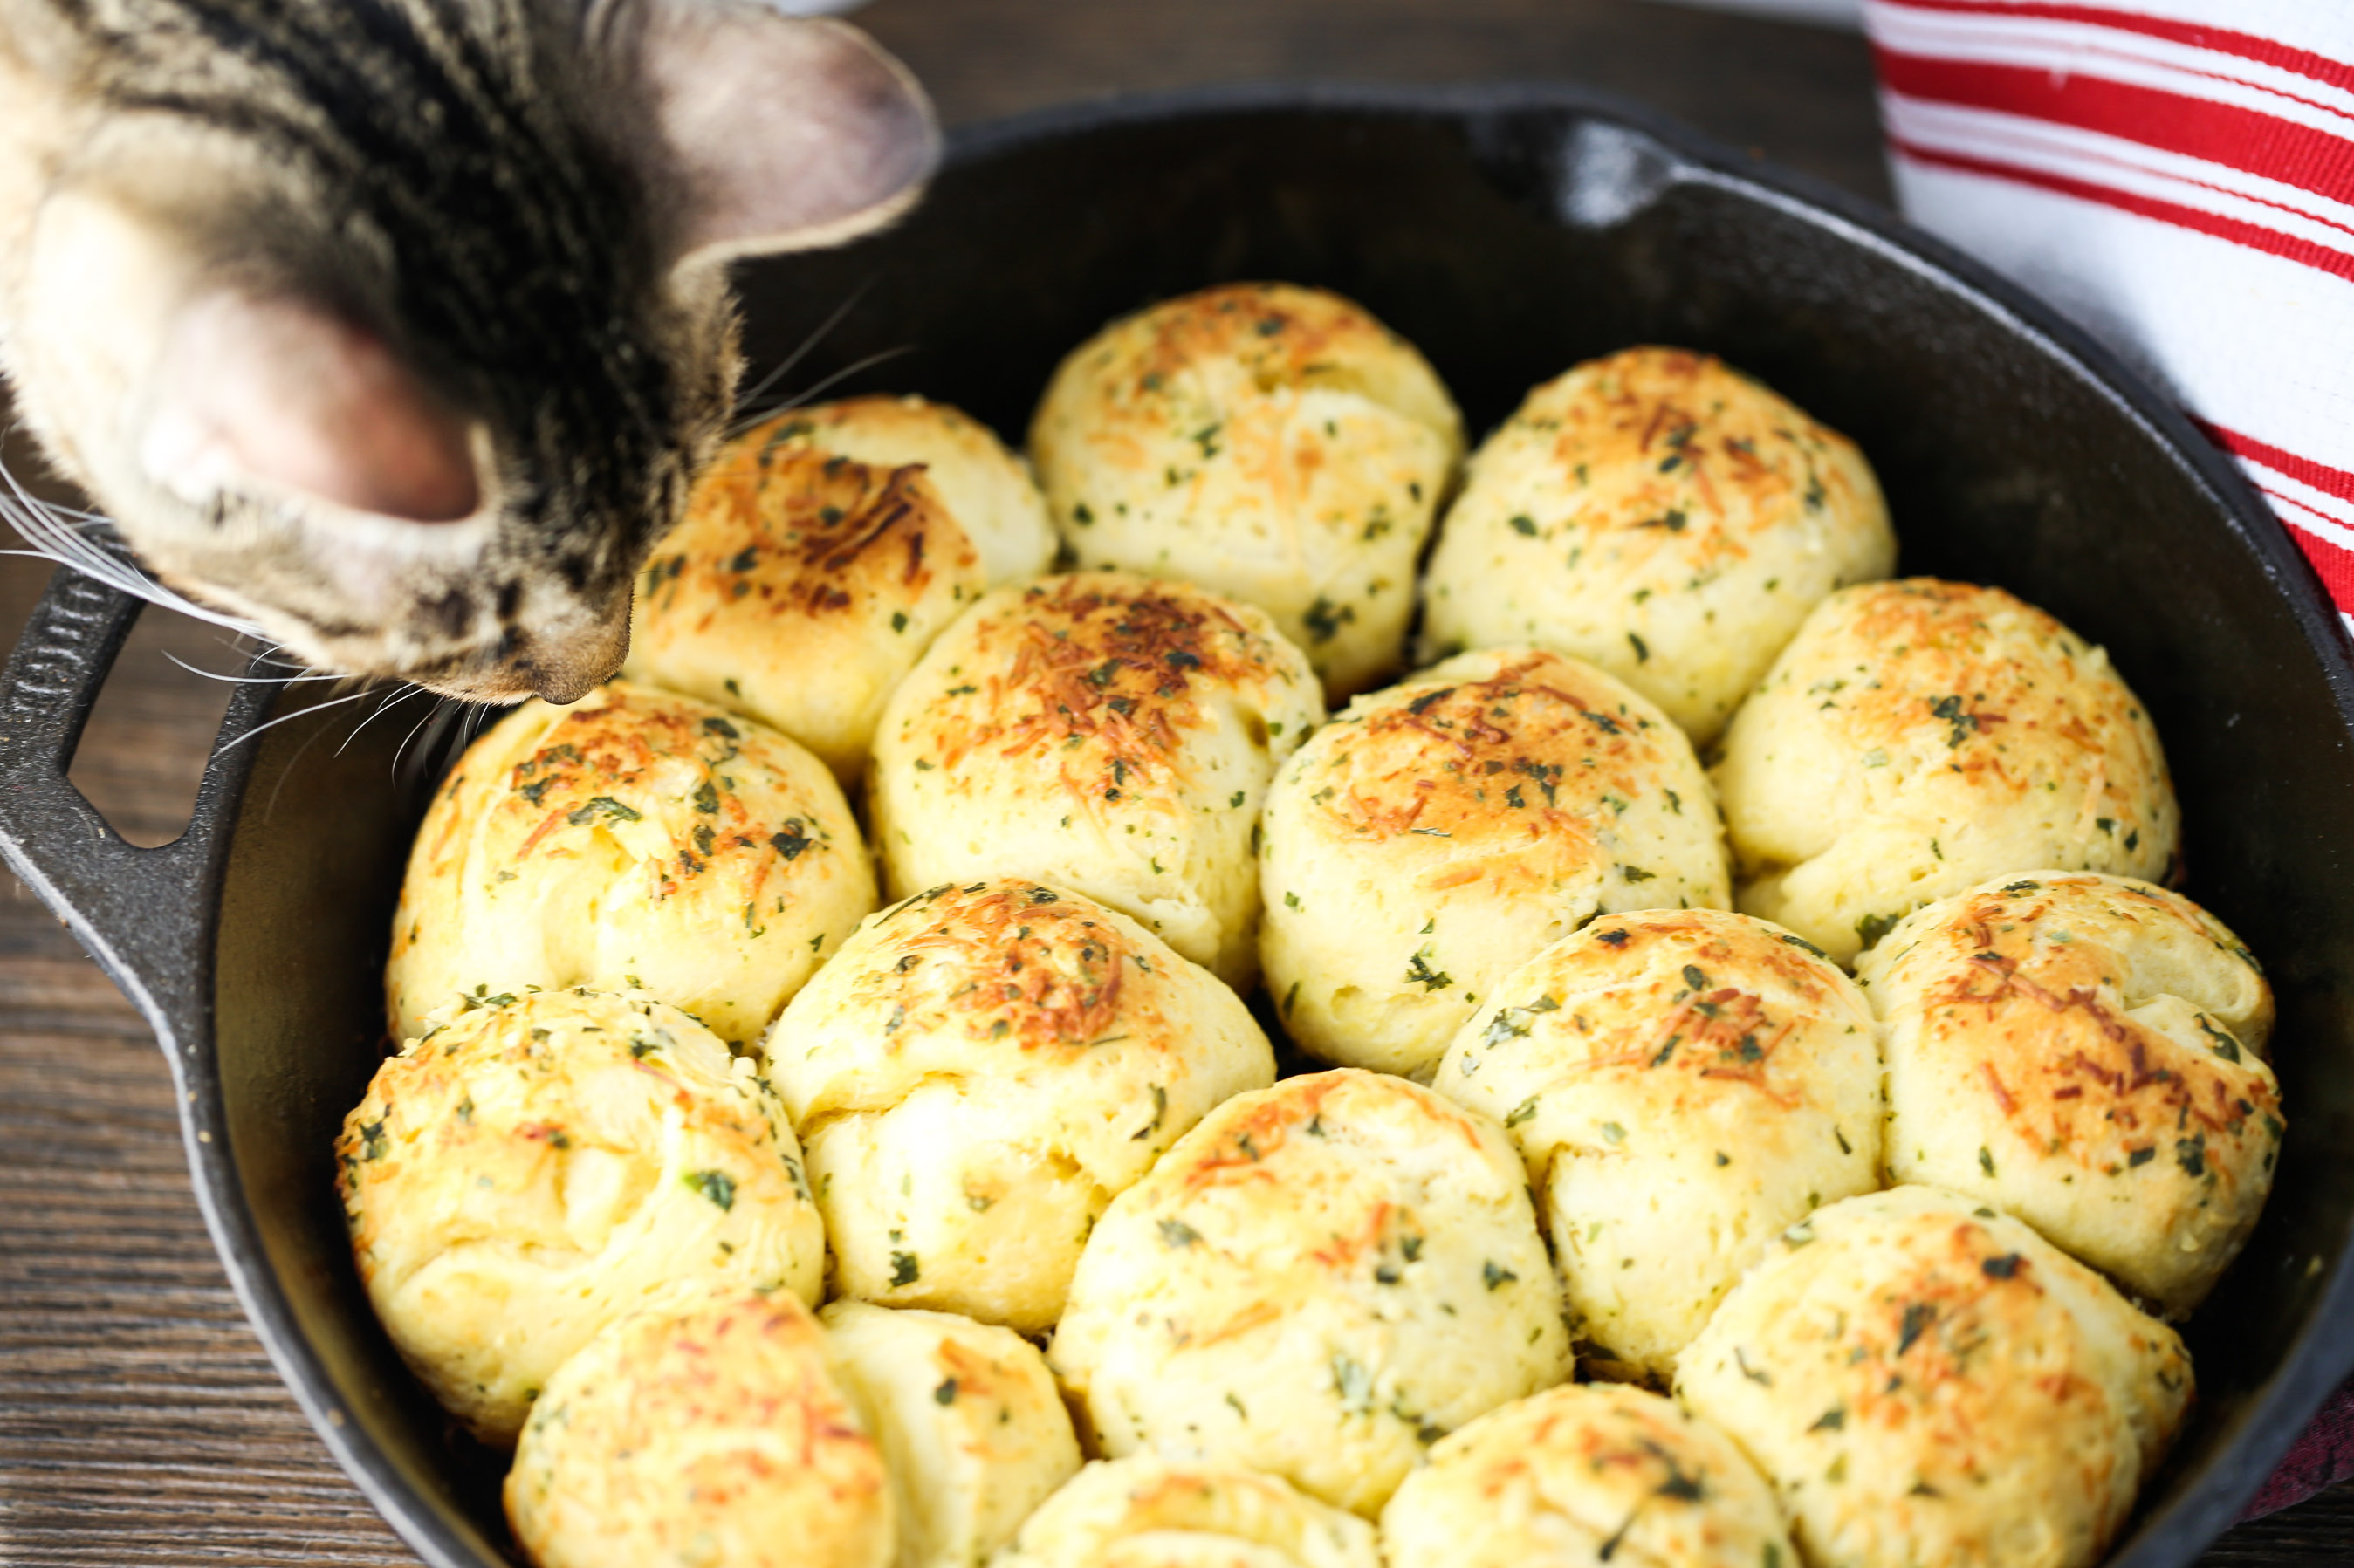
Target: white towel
[(2178, 176)]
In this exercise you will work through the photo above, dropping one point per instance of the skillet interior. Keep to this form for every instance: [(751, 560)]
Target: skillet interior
[(1508, 234)]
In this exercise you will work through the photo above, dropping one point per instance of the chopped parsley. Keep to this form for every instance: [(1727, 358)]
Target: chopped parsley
[(716, 1185)]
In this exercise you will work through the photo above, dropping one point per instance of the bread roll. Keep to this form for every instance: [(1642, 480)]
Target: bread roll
[(973, 1432), (1273, 443), (1917, 738), (980, 1072), (1103, 733), (1146, 1511), (1585, 1473), (2085, 1053), (635, 840), (1436, 834), (546, 1162), (1925, 1380), (801, 587), (718, 1432), (1682, 1085), (987, 489), (1661, 515), (1319, 1281)]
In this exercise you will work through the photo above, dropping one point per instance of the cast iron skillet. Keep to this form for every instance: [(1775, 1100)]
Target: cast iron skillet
[(1509, 232)]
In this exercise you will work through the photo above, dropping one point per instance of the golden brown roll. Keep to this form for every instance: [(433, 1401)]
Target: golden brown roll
[(717, 1432), (972, 1430), (980, 1072), (636, 840), (1436, 834), (1101, 731), (1926, 1381), (1917, 738), (1273, 443), (2085, 1053), (1661, 515), (546, 1162), (1319, 1281), (1146, 1511), (1683, 1085), (801, 587), (987, 489), (1585, 1473)]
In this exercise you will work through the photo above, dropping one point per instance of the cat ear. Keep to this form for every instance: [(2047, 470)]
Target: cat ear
[(278, 391), (790, 132)]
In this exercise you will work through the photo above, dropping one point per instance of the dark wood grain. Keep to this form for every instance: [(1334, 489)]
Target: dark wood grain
[(140, 1422)]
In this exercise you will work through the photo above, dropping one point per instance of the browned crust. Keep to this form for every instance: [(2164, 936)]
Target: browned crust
[(1283, 334), (1711, 1018), (1524, 754), (798, 531), (2058, 1058), (1032, 968), (1660, 411), (1245, 1141), (1995, 710), (420, 1115), (1101, 658), (752, 1363), (602, 756), (1915, 1351)]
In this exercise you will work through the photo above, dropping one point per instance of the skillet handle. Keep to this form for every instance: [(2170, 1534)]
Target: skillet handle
[(140, 912)]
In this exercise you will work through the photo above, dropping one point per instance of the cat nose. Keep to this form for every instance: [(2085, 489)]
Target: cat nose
[(566, 686), (566, 671)]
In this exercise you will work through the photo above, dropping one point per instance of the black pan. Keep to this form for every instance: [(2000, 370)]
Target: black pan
[(1509, 232)]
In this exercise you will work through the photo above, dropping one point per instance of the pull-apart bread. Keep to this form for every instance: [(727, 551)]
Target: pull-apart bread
[(1105, 733), (1272, 444), (973, 1429), (1438, 833), (2086, 1053), (978, 1074), (1146, 1511), (819, 556), (633, 840), (1683, 1085), (527, 1174), (1320, 1280), (1661, 515), (721, 1431), (1925, 1380), (1917, 738), (1585, 1473)]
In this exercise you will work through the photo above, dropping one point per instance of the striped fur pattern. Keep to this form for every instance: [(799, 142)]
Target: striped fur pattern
[(479, 189)]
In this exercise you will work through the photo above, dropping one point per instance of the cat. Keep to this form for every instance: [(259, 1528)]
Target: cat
[(398, 328)]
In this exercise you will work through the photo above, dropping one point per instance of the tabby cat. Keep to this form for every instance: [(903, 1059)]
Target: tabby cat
[(397, 328)]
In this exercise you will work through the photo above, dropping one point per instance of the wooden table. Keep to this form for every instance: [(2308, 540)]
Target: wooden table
[(139, 1420)]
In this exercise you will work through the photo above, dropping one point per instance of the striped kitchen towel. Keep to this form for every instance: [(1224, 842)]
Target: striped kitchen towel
[(2178, 176)]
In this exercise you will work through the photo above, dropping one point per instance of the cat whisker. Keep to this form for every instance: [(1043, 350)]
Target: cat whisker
[(252, 648), (393, 700), (402, 751), (61, 533), (269, 655), (247, 680), (785, 367), (745, 420), (437, 725), (298, 712)]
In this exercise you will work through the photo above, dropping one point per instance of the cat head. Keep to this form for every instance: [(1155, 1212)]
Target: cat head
[(399, 330)]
